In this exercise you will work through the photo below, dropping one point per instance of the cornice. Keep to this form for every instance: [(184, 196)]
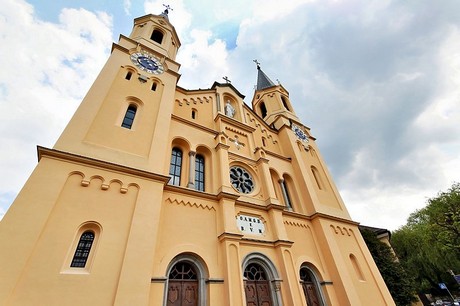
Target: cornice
[(234, 122), (193, 124), (87, 161)]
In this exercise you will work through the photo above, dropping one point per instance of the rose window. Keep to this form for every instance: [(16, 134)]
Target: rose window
[(241, 180)]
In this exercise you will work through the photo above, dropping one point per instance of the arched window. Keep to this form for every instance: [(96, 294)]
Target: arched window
[(82, 251), (310, 287), (128, 75), (129, 116), (157, 36), (263, 109), (285, 191), (317, 177), (154, 86), (175, 166), (194, 113), (283, 99), (199, 172)]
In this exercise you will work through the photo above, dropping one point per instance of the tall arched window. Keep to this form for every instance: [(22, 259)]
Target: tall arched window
[(175, 166), (129, 116), (283, 99), (157, 36), (82, 251), (285, 191), (310, 287), (263, 109), (199, 172)]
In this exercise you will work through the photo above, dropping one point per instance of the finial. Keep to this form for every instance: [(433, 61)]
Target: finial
[(167, 8), (227, 80), (278, 81), (257, 63)]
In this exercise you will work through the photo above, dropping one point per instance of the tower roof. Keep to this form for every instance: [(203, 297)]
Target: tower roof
[(263, 81)]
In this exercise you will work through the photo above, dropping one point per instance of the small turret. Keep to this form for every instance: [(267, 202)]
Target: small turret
[(271, 101), (157, 33)]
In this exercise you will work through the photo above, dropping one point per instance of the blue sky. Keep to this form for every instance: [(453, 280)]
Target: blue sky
[(378, 82)]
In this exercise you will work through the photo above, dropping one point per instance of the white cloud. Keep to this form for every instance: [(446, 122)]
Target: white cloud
[(127, 7), (46, 70)]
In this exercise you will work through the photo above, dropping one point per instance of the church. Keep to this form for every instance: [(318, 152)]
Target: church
[(157, 195)]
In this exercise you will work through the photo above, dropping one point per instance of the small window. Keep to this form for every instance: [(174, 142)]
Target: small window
[(83, 248), (264, 142), (157, 36), (285, 103), (263, 109), (129, 117), (154, 86), (193, 114), (175, 166), (128, 75), (199, 173)]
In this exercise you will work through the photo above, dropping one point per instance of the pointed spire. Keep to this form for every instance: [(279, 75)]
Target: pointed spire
[(263, 81)]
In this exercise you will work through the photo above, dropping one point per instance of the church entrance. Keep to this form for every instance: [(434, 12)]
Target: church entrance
[(309, 287), (257, 286), (182, 285)]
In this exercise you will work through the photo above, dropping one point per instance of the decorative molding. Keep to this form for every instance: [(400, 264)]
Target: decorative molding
[(193, 124), (104, 186), (158, 279), (296, 223), (236, 131), (341, 230), (191, 204), (96, 163), (194, 100), (214, 281)]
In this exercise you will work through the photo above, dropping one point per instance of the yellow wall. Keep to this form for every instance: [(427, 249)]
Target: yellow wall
[(113, 180)]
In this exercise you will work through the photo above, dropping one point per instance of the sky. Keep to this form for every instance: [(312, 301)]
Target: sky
[(377, 81)]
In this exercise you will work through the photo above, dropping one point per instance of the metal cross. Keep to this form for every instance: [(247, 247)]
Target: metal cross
[(167, 8), (237, 143), (257, 63), (279, 83), (227, 80)]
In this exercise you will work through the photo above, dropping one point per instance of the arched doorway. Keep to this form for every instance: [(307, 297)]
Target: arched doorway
[(310, 287), (261, 282), (257, 286), (182, 285)]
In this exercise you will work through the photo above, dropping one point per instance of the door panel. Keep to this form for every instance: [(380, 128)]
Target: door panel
[(182, 293)]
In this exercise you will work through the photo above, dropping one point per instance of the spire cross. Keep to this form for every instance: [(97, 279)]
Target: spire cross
[(167, 8), (227, 80), (257, 63)]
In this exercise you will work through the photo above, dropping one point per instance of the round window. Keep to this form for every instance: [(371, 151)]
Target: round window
[(241, 180)]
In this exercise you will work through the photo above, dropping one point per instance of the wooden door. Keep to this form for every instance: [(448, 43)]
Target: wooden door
[(182, 286), (257, 286), (182, 293), (311, 295)]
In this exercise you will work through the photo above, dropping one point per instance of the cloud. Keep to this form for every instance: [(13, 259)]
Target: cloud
[(46, 70), (127, 7)]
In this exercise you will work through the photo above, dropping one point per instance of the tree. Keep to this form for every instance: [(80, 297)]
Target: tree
[(399, 283), (429, 244)]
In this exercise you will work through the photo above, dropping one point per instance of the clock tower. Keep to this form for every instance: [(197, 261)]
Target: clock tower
[(159, 195)]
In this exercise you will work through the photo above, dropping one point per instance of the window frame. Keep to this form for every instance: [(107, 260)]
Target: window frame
[(127, 121), (200, 183), (175, 179)]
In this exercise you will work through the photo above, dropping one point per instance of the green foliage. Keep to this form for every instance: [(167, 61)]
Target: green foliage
[(429, 244), (399, 283)]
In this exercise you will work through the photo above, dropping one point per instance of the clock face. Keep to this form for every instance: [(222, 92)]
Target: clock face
[(147, 62), (299, 133)]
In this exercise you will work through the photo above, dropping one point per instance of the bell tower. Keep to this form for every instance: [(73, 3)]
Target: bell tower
[(271, 102), (118, 119)]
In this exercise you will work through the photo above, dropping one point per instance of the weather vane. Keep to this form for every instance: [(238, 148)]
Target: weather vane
[(227, 80), (167, 8), (257, 63)]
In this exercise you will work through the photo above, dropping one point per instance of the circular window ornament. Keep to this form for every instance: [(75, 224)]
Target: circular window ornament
[(241, 180)]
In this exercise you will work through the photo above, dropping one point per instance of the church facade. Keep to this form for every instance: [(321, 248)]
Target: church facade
[(159, 195)]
